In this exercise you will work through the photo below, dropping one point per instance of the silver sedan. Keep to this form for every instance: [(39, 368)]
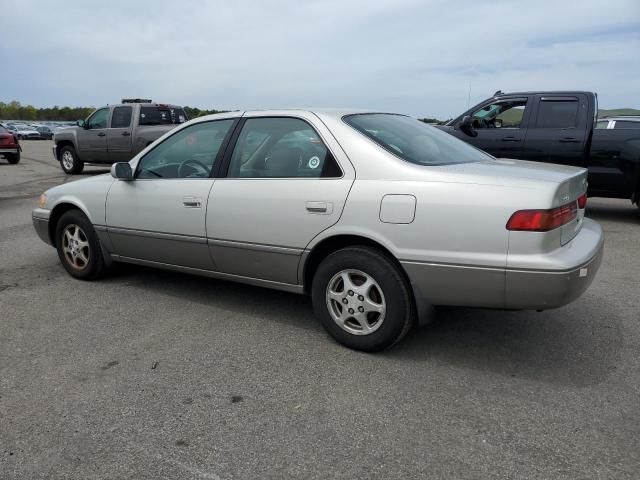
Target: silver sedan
[(378, 217)]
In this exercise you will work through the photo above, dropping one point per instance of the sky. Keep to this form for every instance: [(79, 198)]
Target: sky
[(426, 58)]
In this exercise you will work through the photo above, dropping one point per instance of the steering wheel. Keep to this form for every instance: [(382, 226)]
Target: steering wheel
[(196, 165)]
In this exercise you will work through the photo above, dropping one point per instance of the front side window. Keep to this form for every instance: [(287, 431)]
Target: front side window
[(121, 117), (98, 119), (557, 114), (413, 140), (280, 148), (503, 114), (190, 153)]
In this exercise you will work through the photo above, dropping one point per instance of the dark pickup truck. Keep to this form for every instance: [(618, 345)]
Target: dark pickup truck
[(556, 127)]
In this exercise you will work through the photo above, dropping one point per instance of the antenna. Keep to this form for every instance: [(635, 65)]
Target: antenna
[(469, 96)]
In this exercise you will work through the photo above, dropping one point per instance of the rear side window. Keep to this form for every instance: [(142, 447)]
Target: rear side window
[(121, 117), (626, 124), (414, 141), (557, 114), (281, 147), (162, 115)]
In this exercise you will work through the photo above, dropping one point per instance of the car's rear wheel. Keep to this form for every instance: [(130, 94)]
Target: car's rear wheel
[(69, 161), (78, 246), (362, 299), (13, 158)]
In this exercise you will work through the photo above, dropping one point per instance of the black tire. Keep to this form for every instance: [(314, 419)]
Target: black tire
[(95, 266), (13, 158), (69, 161), (396, 296)]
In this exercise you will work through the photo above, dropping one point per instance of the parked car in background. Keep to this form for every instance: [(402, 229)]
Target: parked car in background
[(630, 121), (45, 132), (9, 145), (556, 127), (26, 132), (114, 133), (376, 216)]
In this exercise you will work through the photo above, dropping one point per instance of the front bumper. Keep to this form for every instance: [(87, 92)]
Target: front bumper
[(40, 218), (55, 151)]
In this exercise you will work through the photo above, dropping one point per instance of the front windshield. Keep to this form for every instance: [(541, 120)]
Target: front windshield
[(413, 140)]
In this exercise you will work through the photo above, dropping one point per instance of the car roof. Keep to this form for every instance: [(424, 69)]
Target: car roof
[(336, 113)]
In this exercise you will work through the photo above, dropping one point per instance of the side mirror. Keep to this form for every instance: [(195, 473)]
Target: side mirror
[(466, 126), (80, 123), (122, 171)]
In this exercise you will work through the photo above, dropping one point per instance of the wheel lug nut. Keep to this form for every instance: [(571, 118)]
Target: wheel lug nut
[(351, 293), (345, 301), (351, 311), (360, 309), (360, 297)]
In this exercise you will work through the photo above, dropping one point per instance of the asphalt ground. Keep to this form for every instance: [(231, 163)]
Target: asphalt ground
[(150, 374)]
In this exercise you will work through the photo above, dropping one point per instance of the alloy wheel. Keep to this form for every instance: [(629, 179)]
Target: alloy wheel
[(355, 302)]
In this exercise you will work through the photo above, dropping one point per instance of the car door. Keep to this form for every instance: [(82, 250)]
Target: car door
[(558, 130), (92, 138), (119, 134), (160, 215), (501, 127), (285, 181)]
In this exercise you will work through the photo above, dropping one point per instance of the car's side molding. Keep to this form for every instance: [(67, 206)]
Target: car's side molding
[(286, 287)]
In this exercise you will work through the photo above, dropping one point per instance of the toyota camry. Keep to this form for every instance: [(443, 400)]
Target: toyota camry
[(378, 217)]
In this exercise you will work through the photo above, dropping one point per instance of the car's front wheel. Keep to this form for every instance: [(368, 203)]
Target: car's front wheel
[(362, 299), (69, 161), (78, 246)]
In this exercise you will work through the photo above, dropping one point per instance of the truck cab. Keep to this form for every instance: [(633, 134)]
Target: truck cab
[(555, 127), (114, 133)]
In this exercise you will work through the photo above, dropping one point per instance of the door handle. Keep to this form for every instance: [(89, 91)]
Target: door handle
[(319, 207), (510, 139), (569, 140), (101, 134), (191, 202), (126, 134)]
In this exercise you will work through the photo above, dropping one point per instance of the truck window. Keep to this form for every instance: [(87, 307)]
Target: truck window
[(161, 115), (627, 124), (502, 114), (121, 117), (602, 124), (98, 119), (557, 113)]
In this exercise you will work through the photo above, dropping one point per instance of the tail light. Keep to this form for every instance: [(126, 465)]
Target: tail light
[(542, 220), (582, 201)]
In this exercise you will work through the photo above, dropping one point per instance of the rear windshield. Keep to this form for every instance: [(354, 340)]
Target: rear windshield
[(162, 116), (413, 140)]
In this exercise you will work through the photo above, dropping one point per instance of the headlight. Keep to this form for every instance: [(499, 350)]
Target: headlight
[(42, 201)]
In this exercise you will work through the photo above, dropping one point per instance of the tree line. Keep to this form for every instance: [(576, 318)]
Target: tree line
[(16, 111)]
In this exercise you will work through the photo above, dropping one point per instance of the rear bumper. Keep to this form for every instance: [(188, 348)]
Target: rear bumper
[(40, 218), (15, 149), (548, 281), (578, 262)]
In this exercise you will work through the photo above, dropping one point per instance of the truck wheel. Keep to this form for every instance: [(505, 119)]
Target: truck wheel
[(69, 161), (13, 158), (78, 246), (362, 299)]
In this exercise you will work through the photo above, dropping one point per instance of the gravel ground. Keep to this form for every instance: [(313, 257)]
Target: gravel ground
[(150, 374)]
